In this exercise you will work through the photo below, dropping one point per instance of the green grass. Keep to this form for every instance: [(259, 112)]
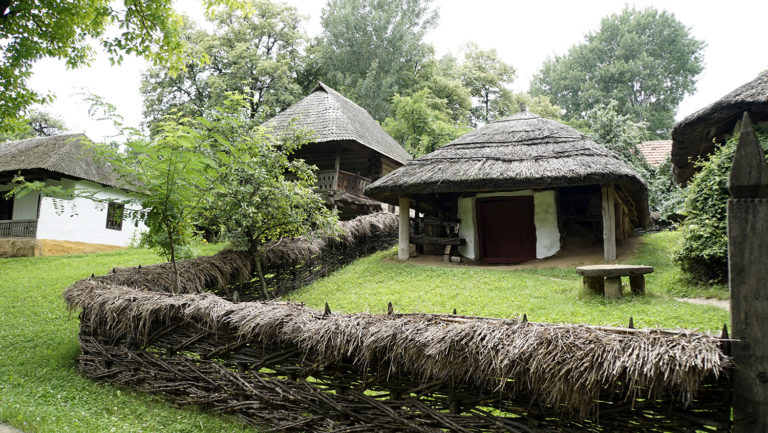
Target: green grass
[(39, 388), (41, 392), (545, 295)]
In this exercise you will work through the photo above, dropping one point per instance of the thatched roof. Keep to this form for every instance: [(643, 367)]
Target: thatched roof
[(68, 155), (332, 117), (693, 136), (518, 152)]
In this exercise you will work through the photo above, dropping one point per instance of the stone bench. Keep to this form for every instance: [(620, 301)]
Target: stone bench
[(606, 279)]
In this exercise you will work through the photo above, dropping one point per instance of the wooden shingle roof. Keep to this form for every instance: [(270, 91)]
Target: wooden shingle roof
[(332, 117)]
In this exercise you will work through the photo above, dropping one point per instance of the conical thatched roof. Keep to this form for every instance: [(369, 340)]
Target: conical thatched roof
[(332, 117), (693, 136), (518, 152), (68, 155)]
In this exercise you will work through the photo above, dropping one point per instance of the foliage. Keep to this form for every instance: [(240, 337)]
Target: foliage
[(664, 195), (38, 124), (422, 123), (644, 59), (486, 77), (373, 49), (704, 251), (618, 133), (544, 294), (254, 53), (512, 103), (261, 194), (40, 390), (32, 30)]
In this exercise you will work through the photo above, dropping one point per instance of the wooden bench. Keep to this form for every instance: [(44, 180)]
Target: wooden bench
[(606, 279), (450, 244)]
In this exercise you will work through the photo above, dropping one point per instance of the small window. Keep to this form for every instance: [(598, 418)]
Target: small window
[(115, 216)]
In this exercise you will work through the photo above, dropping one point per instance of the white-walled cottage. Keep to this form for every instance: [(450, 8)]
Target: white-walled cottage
[(36, 224)]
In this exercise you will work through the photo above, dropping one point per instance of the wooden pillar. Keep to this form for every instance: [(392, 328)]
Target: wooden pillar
[(748, 281), (404, 242), (337, 167), (609, 223)]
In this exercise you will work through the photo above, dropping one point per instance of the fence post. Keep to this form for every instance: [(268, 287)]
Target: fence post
[(748, 278)]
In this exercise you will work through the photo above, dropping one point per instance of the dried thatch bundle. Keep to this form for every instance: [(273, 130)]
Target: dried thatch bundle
[(567, 365), (693, 136)]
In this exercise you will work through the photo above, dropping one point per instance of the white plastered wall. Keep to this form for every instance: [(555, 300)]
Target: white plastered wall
[(84, 220), (544, 218)]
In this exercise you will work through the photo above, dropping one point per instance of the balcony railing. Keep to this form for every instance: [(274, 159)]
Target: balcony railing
[(331, 180), (18, 229)]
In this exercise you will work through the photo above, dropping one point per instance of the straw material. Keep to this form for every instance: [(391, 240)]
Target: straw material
[(693, 136), (332, 117), (518, 152)]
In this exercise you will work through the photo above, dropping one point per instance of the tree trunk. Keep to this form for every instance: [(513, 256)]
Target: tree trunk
[(176, 278), (261, 276)]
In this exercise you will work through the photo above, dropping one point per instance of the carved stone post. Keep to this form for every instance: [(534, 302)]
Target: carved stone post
[(748, 281)]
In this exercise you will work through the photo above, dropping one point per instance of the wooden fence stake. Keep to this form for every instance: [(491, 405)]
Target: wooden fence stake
[(327, 310), (390, 309), (747, 264), (631, 323)]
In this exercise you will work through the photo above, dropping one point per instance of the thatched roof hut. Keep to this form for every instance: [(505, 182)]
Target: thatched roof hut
[(553, 162), (697, 135), (349, 148), (69, 155)]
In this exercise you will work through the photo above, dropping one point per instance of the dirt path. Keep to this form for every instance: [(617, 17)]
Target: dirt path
[(725, 304), (8, 429)]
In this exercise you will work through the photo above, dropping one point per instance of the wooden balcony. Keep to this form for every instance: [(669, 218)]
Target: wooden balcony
[(332, 180), (18, 228)]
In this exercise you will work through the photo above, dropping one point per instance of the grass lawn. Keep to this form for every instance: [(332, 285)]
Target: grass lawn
[(545, 295), (39, 388), (41, 392)]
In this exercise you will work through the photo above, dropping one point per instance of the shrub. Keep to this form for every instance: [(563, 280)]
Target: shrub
[(704, 251)]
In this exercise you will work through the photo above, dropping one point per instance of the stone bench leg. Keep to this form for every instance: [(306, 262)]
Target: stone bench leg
[(637, 284), (594, 285), (613, 287)]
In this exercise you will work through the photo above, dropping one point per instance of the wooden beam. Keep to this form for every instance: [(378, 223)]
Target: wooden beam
[(747, 264), (609, 223), (403, 246)]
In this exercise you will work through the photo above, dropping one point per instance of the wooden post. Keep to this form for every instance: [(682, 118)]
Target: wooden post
[(637, 284), (747, 278), (609, 223), (404, 242)]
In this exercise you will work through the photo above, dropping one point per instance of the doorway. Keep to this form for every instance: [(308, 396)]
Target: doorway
[(506, 229)]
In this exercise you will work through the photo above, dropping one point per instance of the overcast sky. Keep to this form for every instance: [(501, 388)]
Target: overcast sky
[(524, 34)]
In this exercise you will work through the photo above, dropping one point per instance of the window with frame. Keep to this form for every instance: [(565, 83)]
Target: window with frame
[(115, 216)]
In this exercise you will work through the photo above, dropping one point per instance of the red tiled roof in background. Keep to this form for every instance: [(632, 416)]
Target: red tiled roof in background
[(655, 152)]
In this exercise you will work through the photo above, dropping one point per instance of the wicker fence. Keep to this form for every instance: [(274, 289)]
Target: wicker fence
[(294, 369)]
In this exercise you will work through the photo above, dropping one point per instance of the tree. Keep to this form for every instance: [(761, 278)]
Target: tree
[(36, 29), (511, 103), (262, 194), (374, 49), (422, 123), (486, 77), (38, 124), (618, 133), (645, 60), (255, 53)]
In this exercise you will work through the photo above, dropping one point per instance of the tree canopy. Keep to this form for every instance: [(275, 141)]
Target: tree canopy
[(371, 50), (645, 60)]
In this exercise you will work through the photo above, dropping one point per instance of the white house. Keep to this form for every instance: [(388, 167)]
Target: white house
[(36, 224)]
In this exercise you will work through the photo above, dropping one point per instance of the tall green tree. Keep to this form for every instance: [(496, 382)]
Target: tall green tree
[(31, 30), (645, 60), (374, 49), (255, 52), (38, 124), (422, 123), (486, 76)]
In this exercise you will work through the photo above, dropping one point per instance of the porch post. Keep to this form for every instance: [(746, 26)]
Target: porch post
[(747, 278), (404, 242), (609, 223)]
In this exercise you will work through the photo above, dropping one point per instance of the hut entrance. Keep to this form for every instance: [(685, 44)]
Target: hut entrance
[(506, 229)]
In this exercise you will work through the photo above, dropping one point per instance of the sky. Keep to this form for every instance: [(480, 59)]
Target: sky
[(525, 34)]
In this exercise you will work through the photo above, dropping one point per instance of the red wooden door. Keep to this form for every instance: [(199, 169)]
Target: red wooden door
[(506, 229)]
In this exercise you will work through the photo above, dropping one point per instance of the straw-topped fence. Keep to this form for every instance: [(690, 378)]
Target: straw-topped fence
[(297, 369)]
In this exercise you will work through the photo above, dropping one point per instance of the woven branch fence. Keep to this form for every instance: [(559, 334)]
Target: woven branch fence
[(290, 368)]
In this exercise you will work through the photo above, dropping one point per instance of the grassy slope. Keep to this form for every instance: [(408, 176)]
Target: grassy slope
[(39, 388), (548, 295)]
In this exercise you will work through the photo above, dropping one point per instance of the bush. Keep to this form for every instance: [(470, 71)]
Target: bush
[(704, 251)]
